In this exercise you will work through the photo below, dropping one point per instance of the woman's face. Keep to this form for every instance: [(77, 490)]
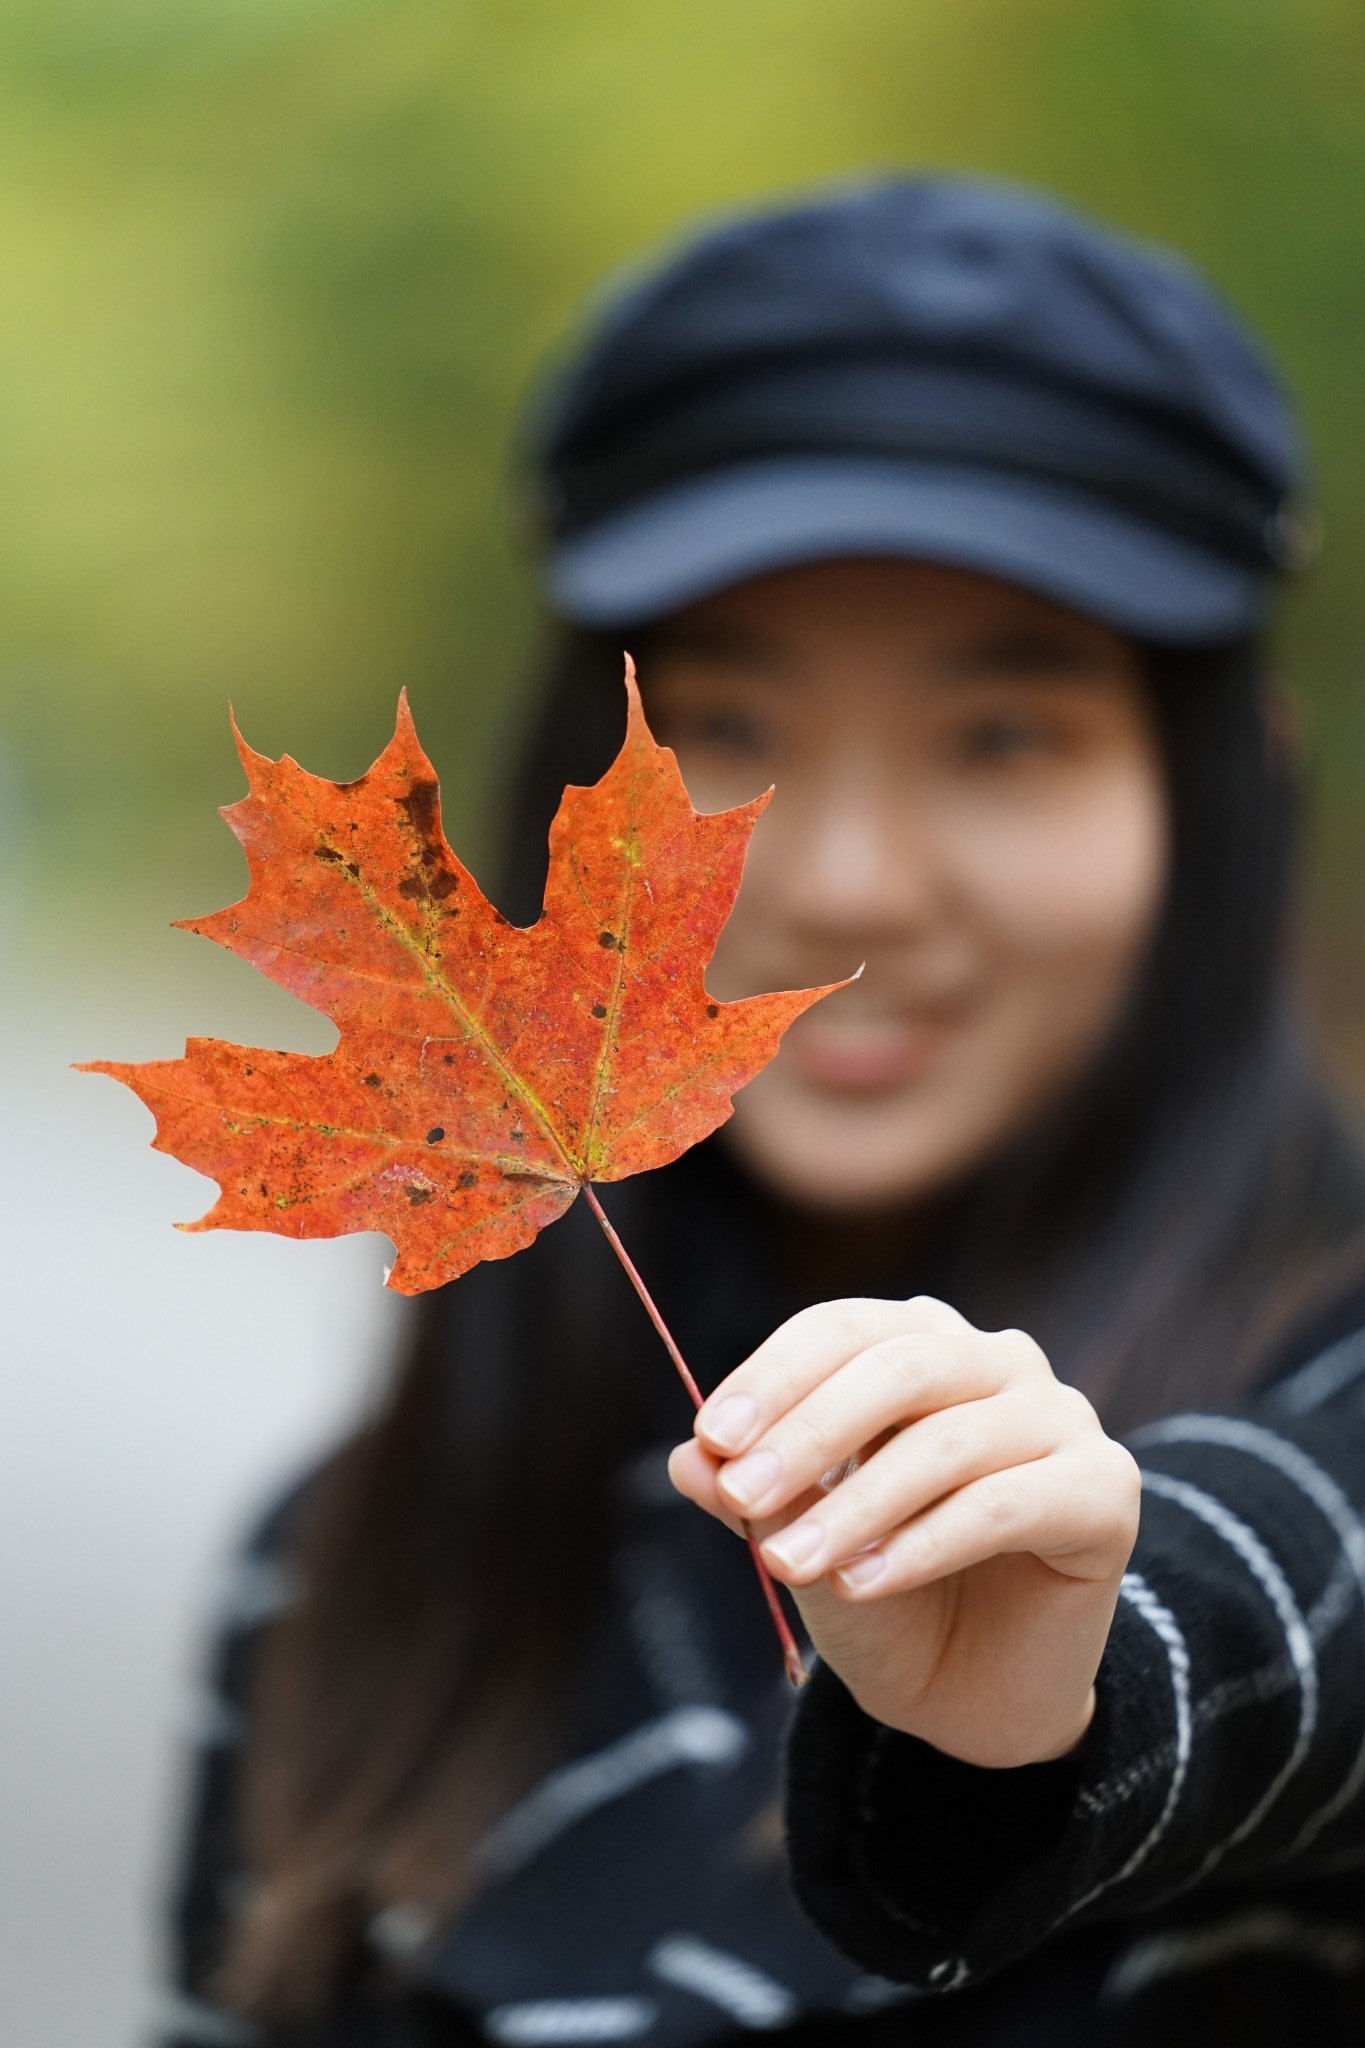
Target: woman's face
[(969, 803)]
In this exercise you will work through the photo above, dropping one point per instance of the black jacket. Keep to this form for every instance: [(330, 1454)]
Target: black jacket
[(1195, 1873)]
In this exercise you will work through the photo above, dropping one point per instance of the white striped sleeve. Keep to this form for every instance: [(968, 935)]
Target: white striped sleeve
[(1229, 1741)]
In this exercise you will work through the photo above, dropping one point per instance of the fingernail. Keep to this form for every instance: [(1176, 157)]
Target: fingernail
[(797, 1545), (752, 1478), (861, 1571), (731, 1422)]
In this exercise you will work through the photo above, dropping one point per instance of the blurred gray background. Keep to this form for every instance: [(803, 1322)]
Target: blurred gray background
[(275, 275)]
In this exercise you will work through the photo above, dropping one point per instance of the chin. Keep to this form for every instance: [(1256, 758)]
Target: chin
[(839, 1159), (847, 1197), (836, 1185)]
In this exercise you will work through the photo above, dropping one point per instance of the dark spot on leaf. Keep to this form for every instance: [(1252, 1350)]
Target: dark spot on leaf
[(264, 1189), (444, 884), (449, 1059), (713, 1009), (415, 889), (326, 853), (467, 1178), (417, 1196), (605, 939), (372, 1080), (353, 868), (435, 1134), (248, 1070), (421, 804), (518, 1136), (599, 1009)]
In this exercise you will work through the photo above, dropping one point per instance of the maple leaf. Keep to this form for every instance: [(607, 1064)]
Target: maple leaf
[(485, 1072)]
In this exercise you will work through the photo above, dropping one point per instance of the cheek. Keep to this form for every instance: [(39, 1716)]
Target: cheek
[(1073, 897)]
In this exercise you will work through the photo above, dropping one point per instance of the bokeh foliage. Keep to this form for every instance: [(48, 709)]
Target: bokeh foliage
[(277, 272)]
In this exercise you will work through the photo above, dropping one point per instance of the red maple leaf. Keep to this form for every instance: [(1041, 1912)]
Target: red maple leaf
[(485, 1073)]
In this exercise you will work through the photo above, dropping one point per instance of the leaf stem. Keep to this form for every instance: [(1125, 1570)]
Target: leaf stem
[(791, 1655), (638, 1284)]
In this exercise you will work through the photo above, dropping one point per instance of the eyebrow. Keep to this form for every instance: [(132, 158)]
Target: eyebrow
[(994, 653), (724, 644), (1022, 651)]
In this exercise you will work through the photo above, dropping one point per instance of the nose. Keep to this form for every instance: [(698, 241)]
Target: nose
[(861, 858)]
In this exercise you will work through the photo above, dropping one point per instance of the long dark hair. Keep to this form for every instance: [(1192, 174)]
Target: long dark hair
[(1193, 1201)]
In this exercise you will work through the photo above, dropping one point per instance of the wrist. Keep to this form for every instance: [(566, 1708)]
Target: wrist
[(1075, 1739), (993, 1749)]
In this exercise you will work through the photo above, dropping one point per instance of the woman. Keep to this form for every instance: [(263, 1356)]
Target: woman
[(958, 518)]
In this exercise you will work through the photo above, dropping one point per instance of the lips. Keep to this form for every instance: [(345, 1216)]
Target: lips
[(862, 1054)]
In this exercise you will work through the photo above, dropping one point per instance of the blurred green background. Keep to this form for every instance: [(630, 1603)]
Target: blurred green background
[(276, 274)]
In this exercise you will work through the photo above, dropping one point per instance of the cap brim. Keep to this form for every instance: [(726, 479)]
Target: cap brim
[(724, 527)]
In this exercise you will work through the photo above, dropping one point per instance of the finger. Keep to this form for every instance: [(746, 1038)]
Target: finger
[(693, 1471), (900, 1380), (802, 1353), (1077, 1514), (917, 1467)]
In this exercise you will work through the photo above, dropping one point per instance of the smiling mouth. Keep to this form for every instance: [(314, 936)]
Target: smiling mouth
[(854, 1054)]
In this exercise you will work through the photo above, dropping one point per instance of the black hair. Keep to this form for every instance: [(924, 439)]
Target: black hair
[(1195, 1198)]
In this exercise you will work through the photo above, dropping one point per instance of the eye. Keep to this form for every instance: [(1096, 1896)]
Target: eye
[(694, 729), (1003, 737)]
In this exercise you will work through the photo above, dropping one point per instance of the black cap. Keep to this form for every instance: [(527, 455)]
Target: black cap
[(935, 368)]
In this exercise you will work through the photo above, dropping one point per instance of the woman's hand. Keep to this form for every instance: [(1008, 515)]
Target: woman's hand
[(961, 1575)]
